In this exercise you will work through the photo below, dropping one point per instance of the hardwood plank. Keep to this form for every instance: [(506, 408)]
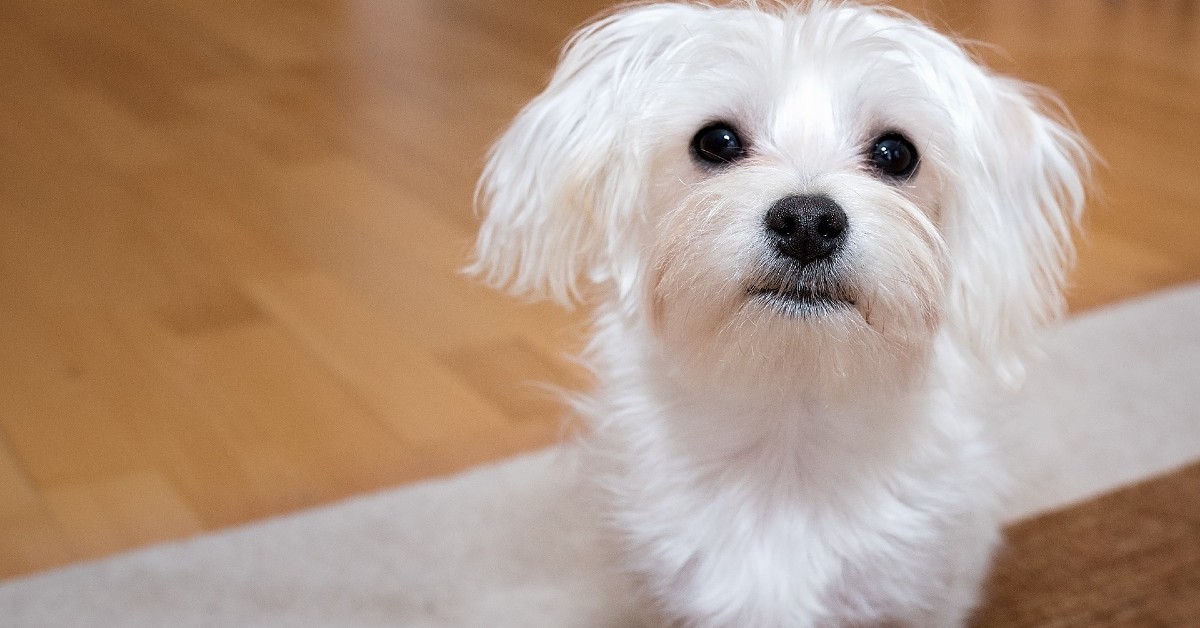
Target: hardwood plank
[(422, 400), (302, 438), (19, 497), (33, 544), (108, 514)]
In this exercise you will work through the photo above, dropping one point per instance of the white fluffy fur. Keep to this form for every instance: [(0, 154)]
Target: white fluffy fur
[(759, 466)]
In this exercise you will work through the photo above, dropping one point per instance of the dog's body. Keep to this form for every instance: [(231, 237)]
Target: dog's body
[(800, 508), (816, 238)]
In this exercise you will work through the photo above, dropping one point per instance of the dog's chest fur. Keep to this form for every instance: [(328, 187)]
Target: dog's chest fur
[(868, 512)]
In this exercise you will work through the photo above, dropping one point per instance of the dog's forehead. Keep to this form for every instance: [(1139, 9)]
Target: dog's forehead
[(809, 111), (827, 69), (823, 101)]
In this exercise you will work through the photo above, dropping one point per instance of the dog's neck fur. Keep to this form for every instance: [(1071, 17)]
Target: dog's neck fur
[(807, 435)]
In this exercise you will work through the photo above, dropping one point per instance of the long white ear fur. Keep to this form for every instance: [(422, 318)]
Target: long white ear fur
[(562, 182), (1018, 198)]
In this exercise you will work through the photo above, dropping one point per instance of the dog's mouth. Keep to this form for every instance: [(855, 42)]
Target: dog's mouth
[(801, 300)]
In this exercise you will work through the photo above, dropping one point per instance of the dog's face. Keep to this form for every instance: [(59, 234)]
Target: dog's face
[(820, 189)]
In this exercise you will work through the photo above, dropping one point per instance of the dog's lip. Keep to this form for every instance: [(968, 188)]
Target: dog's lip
[(803, 299)]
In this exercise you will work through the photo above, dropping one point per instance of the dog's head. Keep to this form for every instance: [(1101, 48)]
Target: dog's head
[(828, 185)]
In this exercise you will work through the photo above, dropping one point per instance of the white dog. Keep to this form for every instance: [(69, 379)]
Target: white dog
[(816, 238)]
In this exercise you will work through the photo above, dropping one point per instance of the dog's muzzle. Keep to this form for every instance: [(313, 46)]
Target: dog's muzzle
[(807, 232)]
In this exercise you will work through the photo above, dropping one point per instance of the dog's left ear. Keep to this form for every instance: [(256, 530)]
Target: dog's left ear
[(562, 184), (1018, 194)]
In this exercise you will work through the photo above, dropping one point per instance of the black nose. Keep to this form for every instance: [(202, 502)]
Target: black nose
[(806, 227)]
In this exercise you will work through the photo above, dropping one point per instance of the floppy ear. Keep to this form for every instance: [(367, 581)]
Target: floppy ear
[(561, 184), (1018, 194)]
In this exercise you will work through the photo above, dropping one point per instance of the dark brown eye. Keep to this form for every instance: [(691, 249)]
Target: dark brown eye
[(894, 156), (717, 144)]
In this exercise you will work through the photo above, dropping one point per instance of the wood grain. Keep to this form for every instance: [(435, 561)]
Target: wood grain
[(1122, 560), (230, 236)]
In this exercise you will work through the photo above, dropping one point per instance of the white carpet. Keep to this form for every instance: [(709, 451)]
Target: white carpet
[(1116, 400)]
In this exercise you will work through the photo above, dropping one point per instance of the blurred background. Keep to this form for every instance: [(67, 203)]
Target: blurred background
[(230, 235)]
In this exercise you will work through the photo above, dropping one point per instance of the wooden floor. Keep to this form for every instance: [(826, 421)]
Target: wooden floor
[(230, 234)]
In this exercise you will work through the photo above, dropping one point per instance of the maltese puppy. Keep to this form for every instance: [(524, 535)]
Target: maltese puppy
[(817, 240)]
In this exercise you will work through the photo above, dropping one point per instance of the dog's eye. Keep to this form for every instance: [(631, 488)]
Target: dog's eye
[(717, 144), (894, 156)]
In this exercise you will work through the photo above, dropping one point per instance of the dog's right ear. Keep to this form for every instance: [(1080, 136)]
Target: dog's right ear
[(562, 183)]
